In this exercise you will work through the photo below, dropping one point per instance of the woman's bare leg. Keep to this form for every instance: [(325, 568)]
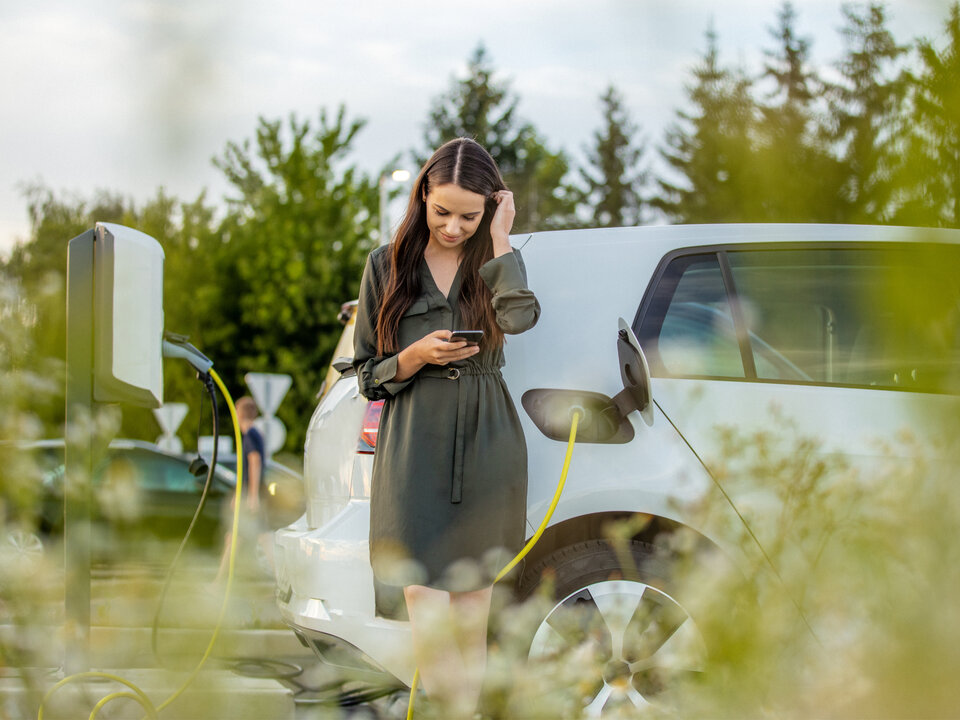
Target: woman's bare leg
[(470, 612), (442, 670)]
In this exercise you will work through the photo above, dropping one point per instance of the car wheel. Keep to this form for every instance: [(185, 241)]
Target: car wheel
[(23, 544), (639, 637)]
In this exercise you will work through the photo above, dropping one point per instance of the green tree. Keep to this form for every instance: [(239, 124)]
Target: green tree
[(478, 107), (614, 178), (865, 110), (929, 177), (800, 180), (291, 251), (709, 148)]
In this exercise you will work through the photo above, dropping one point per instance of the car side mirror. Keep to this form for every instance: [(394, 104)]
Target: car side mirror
[(635, 375)]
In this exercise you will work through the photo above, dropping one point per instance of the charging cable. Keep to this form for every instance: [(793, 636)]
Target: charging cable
[(576, 414), (208, 384), (136, 693)]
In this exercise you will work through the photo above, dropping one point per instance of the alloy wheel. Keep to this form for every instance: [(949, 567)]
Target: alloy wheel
[(640, 641)]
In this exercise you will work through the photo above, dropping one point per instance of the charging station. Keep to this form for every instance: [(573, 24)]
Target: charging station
[(115, 349), (114, 354)]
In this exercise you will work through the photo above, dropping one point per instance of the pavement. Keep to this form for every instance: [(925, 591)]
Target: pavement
[(257, 669)]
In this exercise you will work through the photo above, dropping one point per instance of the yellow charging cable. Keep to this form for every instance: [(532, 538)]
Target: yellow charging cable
[(530, 543), (138, 695)]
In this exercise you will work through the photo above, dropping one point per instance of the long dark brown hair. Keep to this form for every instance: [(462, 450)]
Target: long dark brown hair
[(467, 164)]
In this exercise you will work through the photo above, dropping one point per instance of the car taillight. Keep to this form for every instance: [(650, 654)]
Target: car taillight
[(369, 427)]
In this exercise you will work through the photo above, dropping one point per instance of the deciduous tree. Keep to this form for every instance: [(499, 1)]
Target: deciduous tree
[(293, 244)]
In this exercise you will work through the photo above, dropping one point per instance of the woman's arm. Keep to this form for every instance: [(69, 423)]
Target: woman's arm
[(515, 305), (376, 374)]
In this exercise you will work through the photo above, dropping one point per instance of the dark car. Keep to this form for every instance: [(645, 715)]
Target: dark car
[(143, 500), (283, 495)]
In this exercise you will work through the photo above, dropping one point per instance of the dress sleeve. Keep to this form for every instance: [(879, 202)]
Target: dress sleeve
[(375, 373), (515, 304)]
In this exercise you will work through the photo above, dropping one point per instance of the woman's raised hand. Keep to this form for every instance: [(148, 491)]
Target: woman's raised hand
[(502, 222)]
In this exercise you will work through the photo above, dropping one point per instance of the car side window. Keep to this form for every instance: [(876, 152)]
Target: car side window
[(691, 331), (879, 316), (156, 472)]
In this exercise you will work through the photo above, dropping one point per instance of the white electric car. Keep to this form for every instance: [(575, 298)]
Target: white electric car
[(740, 326)]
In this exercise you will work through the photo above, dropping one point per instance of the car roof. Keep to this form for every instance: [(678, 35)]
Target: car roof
[(670, 237), (224, 473)]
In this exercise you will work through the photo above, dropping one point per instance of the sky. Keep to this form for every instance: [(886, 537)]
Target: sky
[(134, 95)]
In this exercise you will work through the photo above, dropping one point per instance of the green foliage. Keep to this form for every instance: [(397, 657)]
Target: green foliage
[(259, 288), (850, 613), (799, 178), (928, 179), (289, 253), (865, 109), (710, 148), (258, 291), (480, 108), (878, 146), (614, 178)]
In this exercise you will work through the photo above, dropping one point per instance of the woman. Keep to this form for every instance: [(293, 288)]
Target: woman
[(448, 498)]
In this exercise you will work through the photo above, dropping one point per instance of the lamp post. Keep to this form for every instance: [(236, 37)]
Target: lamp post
[(398, 176)]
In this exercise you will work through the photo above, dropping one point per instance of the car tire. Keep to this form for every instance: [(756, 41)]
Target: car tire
[(641, 640), (23, 545)]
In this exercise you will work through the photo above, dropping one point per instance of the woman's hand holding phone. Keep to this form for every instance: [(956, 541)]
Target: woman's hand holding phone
[(436, 348), (441, 348)]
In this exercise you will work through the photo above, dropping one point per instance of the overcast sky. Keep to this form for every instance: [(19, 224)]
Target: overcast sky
[(132, 95)]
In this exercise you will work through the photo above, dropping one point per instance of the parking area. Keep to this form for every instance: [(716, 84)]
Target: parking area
[(255, 656)]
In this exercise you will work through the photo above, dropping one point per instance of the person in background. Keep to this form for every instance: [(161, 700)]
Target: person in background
[(254, 455)]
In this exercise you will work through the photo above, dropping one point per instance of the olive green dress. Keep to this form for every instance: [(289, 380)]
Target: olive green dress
[(448, 496)]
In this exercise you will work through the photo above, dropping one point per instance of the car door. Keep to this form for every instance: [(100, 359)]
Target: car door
[(852, 347)]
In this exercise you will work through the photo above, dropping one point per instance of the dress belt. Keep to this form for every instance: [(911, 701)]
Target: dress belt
[(455, 373)]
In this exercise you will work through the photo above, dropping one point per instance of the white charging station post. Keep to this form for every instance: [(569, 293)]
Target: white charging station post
[(114, 354)]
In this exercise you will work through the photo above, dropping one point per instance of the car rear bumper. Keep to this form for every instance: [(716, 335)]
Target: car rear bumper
[(325, 593)]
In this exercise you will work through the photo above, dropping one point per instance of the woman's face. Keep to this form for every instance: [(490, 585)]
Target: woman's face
[(453, 215)]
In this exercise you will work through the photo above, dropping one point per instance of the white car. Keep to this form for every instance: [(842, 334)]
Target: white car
[(738, 325)]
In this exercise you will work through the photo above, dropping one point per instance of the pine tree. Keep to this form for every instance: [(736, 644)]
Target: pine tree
[(709, 147), (800, 180), (929, 177), (865, 109), (613, 180), (481, 108)]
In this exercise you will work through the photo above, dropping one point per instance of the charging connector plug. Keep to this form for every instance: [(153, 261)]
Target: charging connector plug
[(176, 346)]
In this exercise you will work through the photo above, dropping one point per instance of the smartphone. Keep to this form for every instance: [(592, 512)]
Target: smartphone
[(472, 337)]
